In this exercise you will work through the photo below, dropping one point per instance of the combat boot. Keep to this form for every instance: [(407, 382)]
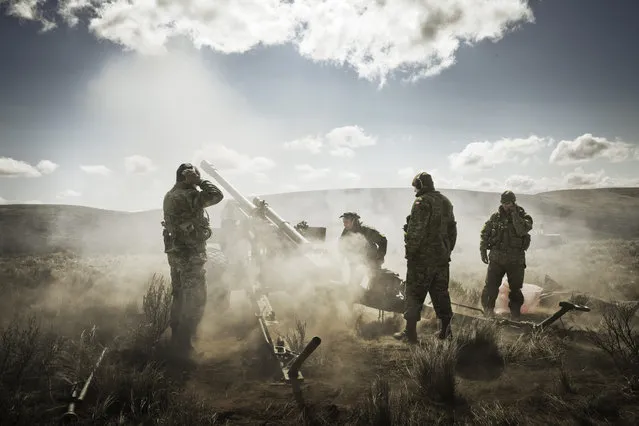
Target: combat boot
[(409, 334), (515, 314), (489, 313), (444, 329)]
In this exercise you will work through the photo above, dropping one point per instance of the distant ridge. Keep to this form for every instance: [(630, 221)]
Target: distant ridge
[(578, 213)]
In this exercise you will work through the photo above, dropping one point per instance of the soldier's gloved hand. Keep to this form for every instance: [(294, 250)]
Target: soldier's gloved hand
[(484, 256)]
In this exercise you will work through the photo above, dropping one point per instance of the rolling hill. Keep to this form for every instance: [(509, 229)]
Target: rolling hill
[(575, 214)]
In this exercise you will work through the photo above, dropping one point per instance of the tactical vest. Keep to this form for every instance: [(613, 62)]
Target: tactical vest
[(504, 238), (190, 233)]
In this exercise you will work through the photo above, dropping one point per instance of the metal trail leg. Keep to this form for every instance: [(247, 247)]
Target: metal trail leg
[(70, 416), (294, 368)]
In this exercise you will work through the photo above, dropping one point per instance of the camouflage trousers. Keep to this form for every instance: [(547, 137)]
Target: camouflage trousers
[(188, 282), (514, 269), (422, 279)]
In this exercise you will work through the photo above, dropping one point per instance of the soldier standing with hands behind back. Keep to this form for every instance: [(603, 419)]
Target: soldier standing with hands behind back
[(506, 235), (430, 237), (186, 229)]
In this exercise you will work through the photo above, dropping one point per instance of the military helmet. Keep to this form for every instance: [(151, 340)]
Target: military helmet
[(349, 215), (423, 180), (508, 197), (182, 168)]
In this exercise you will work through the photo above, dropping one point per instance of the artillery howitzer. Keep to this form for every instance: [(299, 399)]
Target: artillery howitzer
[(392, 302), (278, 257)]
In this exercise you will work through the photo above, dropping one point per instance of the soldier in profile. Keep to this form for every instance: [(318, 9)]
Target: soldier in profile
[(186, 230), (363, 246)]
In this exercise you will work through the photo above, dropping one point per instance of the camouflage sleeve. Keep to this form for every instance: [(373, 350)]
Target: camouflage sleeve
[(522, 222), (209, 196), (485, 234), (419, 217), (452, 230), (169, 212), (381, 242)]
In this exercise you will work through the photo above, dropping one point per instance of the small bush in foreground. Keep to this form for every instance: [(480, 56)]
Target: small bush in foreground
[(618, 338), (432, 369)]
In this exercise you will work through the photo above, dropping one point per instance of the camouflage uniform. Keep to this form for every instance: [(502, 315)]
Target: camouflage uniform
[(362, 245), (507, 237), (185, 234), (430, 237)]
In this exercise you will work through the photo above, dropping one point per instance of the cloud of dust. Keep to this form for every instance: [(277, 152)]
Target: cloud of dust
[(158, 109), (386, 210)]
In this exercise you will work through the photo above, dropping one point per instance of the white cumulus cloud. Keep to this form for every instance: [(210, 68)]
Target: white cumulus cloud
[(349, 177), (309, 173), (309, 143), (69, 193), (325, 177), (376, 38), (523, 184), (97, 169), (139, 165), (479, 156), (588, 147), (10, 167), (341, 141), (231, 162), (406, 173)]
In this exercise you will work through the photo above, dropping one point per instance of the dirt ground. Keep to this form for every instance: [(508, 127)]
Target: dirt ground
[(358, 375), (570, 381)]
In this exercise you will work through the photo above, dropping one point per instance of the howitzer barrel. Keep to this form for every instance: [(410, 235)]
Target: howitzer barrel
[(286, 227), (244, 202), (257, 203)]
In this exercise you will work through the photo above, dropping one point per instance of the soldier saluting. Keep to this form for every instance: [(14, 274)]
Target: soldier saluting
[(506, 235)]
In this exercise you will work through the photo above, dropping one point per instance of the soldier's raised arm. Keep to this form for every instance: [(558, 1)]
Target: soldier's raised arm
[(522, 222), (419, 217), (209, 195)]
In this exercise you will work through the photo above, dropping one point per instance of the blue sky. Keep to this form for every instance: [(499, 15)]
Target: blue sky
[(100, 104)]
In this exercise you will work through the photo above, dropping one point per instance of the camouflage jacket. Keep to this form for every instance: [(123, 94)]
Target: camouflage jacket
[(431, 229), (374, 247), (507, 233), (185, 221)]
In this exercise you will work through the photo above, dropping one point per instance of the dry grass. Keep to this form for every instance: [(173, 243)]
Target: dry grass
[(61, 311), (534, 347), (619, 339), (374, 330), (42, 361)]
